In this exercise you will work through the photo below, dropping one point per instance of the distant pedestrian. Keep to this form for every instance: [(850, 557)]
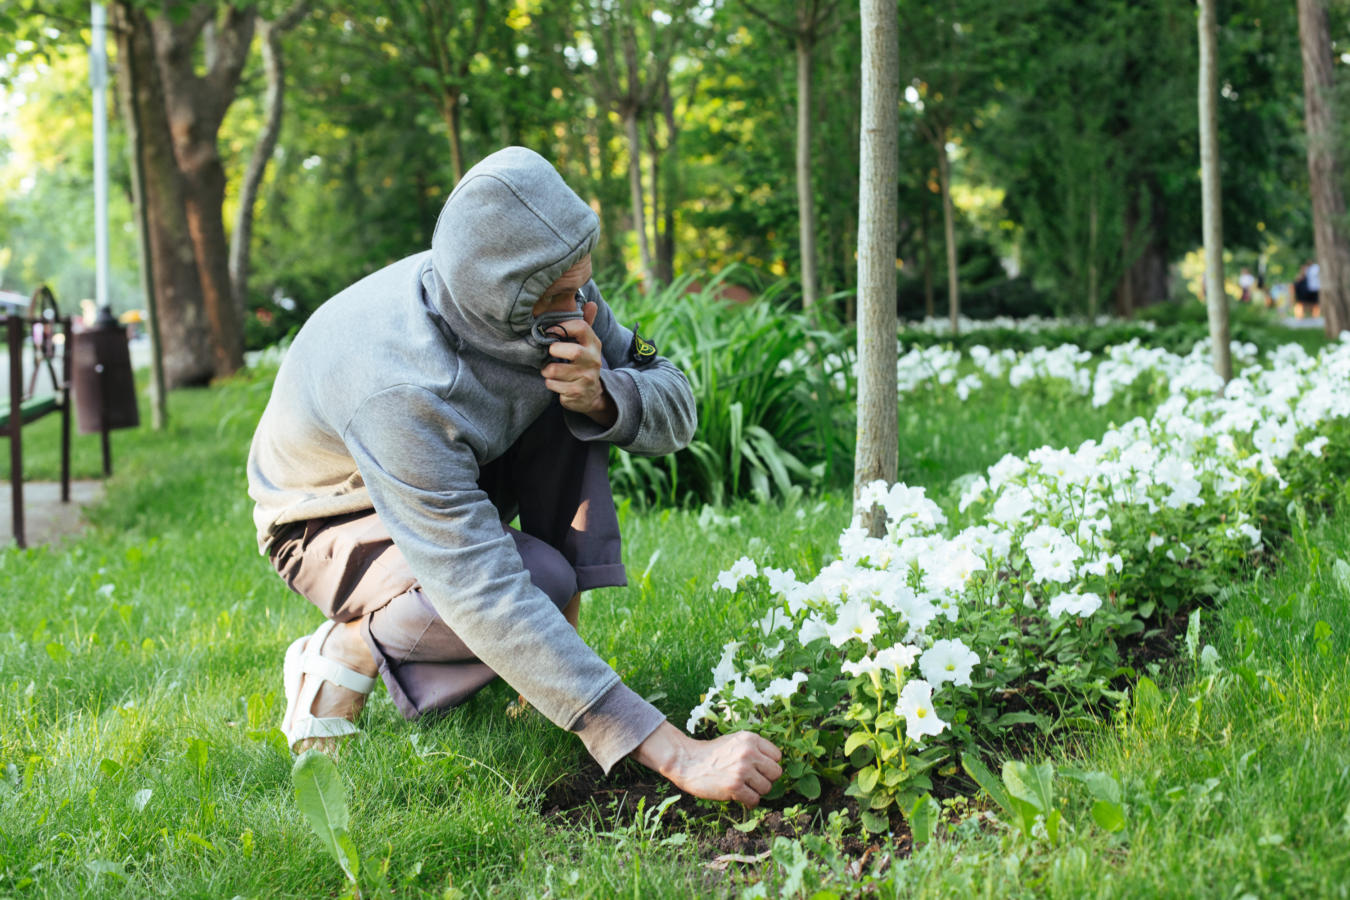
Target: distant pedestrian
[(1246, 281), (1314, 287)]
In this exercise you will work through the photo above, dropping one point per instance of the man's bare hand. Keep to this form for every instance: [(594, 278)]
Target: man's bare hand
[(576, 381), (740, 766)]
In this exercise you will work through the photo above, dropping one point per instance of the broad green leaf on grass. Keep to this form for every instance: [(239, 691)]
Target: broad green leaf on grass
[(1148, 702), (1108, 816), (923, 819), (1032, 784), (58, 652), (322, 797), (1193, 634), (1341, 569), (197, 752), (987, 782)]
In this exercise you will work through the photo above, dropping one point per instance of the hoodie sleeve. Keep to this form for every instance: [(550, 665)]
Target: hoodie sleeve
[(656, 412), (422, 479)]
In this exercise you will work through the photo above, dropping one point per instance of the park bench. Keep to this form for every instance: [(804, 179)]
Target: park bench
[(44, 324)]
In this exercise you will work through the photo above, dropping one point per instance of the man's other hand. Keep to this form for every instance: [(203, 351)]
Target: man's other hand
[(741, 766), (576, 380)]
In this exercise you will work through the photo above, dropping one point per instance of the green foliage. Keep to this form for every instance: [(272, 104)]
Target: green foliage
[(322, 797), (771, 390)]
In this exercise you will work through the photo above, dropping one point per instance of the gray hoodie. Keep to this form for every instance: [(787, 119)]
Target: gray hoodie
[(399, 388)]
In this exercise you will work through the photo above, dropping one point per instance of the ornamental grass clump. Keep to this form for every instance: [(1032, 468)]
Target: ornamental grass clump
[(945, 636)]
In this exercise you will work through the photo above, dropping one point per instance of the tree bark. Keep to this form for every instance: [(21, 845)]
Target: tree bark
[(1324, 171), (127, 85), (196, 106), (1216, 300), (949, 233), (806, 207), (184, 330), (926, 251), (630, 125), (274, 105), (450, 114), (877, 456)]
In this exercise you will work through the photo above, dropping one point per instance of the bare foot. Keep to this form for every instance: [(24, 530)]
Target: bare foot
[(344, 645)]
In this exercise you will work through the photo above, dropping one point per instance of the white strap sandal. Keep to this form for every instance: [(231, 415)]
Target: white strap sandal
[(302, 658)]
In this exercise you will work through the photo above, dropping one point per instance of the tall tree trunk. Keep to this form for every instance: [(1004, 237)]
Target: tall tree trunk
[(184, 330), (1324, 172), (1216, 300), (274, 67), (127, 91), (451, 115), (877, 456), (670, 186), (1093, 273), (949, 232), (806, 206), (196, 106), (926, 254), (630, 125)]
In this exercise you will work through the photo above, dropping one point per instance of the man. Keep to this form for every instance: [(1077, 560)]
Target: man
[(420, 410)]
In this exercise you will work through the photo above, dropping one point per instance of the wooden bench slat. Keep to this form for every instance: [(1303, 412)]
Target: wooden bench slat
[(30, 410)]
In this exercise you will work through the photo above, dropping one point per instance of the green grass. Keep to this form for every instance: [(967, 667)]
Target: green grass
[(163, 627)]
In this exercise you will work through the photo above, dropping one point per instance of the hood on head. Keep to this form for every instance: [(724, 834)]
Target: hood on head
[(509, 229)]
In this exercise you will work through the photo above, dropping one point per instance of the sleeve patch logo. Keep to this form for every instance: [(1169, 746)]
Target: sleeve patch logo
[(642, 352)]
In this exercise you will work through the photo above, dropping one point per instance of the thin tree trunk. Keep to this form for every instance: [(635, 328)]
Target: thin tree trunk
[(926, 251), (184, 331), (1324, 171), (274, 104), (1216, 301), (877, 455), (450, 114), (665, 251), (949, 232), (806, 208), (630, 125), (1093, 286), (128, 85)]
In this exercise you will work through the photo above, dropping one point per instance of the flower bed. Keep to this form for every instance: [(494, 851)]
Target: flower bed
[(937, 638)]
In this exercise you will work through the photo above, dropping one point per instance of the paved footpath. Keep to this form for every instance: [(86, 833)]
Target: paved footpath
[(46, 518)]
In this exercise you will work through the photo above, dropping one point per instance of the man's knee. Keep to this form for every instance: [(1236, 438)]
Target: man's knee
[(549, 570)]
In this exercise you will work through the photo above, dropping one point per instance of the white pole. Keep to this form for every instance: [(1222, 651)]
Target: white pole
[(98, 80)]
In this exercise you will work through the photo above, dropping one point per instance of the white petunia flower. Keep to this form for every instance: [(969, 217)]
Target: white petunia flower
[(948, 660), (782, 688), (856, 621), (740, 570), (1316, 445), (916, 705), (1074, 604)]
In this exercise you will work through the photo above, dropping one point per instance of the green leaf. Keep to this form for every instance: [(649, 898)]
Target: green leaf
[(867, 779), (1032, 784), (1108, 816), (322, 797), (856, 740), (808, 786), (57, 651), (874, 822), (987, 781), (923, 819), (1148, 702)]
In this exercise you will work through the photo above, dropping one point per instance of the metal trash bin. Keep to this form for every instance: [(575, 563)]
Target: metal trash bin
[(105, 389)]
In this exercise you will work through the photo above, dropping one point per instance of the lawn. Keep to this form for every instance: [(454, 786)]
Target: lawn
[(140, 676)]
